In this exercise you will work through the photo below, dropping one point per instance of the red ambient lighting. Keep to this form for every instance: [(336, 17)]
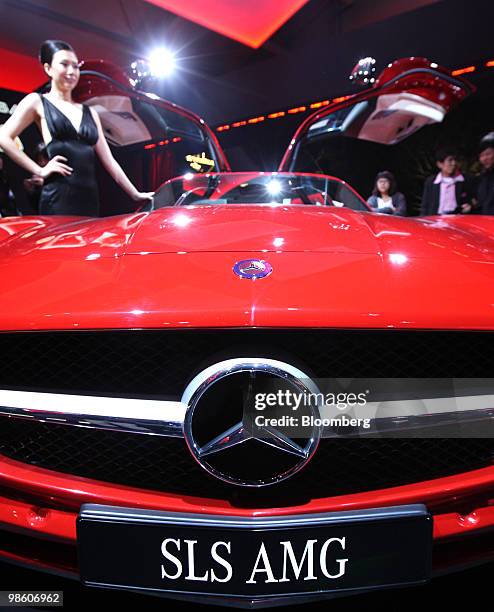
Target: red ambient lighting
[(489, 64), (340, 99), (20, 72), (248, 23), (298, 109), (162, 143), (256, 119), (319, 104), (463, 70)]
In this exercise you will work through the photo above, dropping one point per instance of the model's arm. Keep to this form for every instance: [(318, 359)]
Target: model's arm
[(113, 167), (23, 116)]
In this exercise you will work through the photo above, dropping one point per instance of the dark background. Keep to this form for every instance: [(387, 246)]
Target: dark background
[(307, 60), (470, 588)]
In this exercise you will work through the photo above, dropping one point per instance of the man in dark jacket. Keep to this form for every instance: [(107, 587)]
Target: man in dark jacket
[(447, 192), (485, 186)]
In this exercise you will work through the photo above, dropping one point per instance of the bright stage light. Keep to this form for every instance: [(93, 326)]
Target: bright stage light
[(273, 187), (161, 62)]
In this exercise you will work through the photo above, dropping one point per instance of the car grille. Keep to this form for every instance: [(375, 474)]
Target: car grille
[(161, 363), (339, 466)]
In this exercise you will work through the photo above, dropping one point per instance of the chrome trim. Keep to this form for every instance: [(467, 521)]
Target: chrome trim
[(240, 432), (141, 416), (98, 512), (229, 366), (429, 406), (402, 416), (464, 420), (166, 418)]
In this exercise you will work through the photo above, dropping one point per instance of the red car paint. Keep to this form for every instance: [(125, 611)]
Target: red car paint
[(136, 269), (120, 262)]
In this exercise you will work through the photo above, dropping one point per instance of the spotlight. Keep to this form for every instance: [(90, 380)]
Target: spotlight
[(139, 70), (181, 220), (363, 71), (273, 187), (398, 258), (161, 62)]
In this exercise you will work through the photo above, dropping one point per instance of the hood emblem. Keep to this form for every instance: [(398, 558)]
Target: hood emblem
[(252, 268)]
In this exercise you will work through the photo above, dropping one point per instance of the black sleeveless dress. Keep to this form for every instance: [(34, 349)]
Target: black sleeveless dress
[(76, 194)]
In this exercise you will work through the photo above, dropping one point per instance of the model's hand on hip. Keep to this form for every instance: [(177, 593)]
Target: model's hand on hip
[(56, 165)]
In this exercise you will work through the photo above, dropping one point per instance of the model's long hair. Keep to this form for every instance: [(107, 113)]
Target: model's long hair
[(392, 182), (50, 47)]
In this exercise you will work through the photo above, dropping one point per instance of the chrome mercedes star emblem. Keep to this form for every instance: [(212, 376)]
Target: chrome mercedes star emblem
[(225, 436), (252, 268)]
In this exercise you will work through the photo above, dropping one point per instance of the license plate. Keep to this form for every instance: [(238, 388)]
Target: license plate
[(251, 557)]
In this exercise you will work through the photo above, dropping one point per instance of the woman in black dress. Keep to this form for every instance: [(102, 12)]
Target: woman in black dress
[(72, 134)]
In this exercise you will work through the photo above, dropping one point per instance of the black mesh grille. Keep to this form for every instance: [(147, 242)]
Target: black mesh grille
[(160, 363), (339, 465)]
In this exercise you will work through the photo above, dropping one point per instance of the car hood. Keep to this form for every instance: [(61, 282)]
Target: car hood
[(255, 229), (331, 268)]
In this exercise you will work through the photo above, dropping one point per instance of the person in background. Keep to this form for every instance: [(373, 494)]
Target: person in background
[(7, 202), (447, 192), (34, 183), (385, 198), (485, 186)]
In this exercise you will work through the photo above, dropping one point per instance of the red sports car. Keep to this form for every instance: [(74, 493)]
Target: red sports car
[(253, 392)]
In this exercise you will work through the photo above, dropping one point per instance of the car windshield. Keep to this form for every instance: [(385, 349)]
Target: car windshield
[(257, 188)]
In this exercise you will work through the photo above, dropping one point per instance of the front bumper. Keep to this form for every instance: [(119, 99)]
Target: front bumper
[(39, 508)]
